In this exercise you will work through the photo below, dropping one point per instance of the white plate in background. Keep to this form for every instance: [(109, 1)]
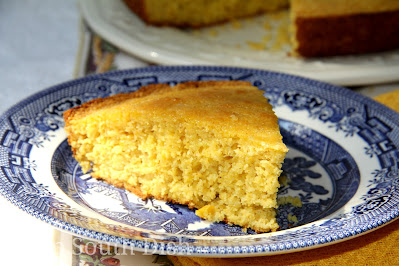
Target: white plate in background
[(228, 45)]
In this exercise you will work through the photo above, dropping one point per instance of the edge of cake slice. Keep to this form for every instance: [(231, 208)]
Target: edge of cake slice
[(214, 146), (332, 28)]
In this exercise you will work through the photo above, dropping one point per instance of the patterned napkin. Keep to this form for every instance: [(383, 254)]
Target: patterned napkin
[(376, 248)]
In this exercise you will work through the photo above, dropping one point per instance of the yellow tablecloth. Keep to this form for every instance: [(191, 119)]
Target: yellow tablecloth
[(380, 247)]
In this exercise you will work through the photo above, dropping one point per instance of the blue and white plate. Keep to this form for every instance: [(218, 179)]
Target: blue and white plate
[(342, 165)]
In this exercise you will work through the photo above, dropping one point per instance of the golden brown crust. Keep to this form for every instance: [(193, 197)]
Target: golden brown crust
[(211, 83), (343, 35), (101, 102), (98, 103)]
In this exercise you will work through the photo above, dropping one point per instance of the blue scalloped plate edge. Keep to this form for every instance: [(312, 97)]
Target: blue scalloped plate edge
[(200, 250)]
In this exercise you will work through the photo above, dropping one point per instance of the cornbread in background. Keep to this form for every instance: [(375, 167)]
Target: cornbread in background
[(214, 146), (314, 29), (199, 13)]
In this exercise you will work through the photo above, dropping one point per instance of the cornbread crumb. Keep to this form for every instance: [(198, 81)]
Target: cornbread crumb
[(277, 36), (283, 180), (257, 45), (294, 201), (213, 33), (292, 218), (214, 146), (267, 26), (236, 24)]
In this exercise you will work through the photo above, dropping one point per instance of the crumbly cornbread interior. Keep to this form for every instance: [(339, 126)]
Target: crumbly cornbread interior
[(214, 146)]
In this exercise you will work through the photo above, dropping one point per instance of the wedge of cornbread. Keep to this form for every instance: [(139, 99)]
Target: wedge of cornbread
[(214, 146)]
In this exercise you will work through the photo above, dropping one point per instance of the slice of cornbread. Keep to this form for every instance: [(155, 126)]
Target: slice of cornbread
[(214, 146)]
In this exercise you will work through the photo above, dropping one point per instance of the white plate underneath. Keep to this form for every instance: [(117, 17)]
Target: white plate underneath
[(230, 45), (342, 165)]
